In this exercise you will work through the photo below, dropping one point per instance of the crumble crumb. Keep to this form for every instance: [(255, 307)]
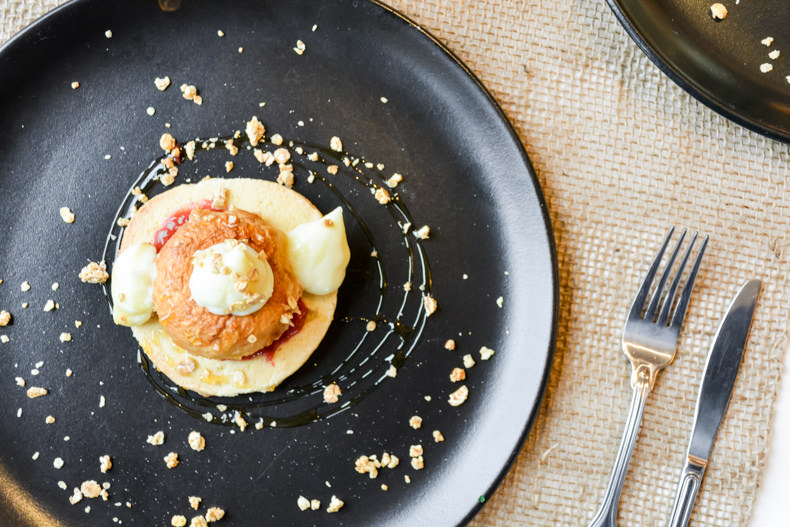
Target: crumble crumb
[(418, 463), (196, 441), (335, 504), (65, 337), (214, 514), (332, 169), (406, 478), (108, 34), (90, 489), (370, 326), (189, 92), (220, 33), (36, 391), (299, 48), (198, 521), (240, 422), (382, 196), (189, 148), (25, 286), (58, 463), (255, 130), (50, 306), (150, 110), (449, 344), (75, 85), (178, 521), (500, 301), (228, 166), (76, 497), (766, 67), (171, 460), (392, 371), (437, 436), (303, 503), (5, 318), (105, 463), (486, 353), (384, 487), (423, 233), (231, 147), (94, 273), (286, 176), (315, 505), (162, 83), (415, 451), (415, 422), (156, 439), (332, 393), (336, 144), (469, 361), (20, 381), (458, 374), (194, 502), (774, 54), (367, 465), (430, 305), (66, 215), (282, 156), (167, 142), (277, 139), (458, 397), (767, 41), (718, 11)]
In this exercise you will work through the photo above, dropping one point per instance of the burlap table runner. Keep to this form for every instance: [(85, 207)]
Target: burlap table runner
[(621, 153)]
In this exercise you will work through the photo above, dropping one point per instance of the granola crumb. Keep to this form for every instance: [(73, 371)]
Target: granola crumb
[(392, 371), (286, 176), (66, 215), (406, 478), (5, 318), (198, 521), (105, 463), (189, 148), (382, 196), (196, 441), (58, 463), (449, 344), (458, 397), (25, 286), (766, 67), (90, 489), (194, 502), (415, 451), (171, 460), (299, 48), (94, 273), (162, 83), (156, 439), (718, 11), (469, 361), (240, 422), (220, 33), (773, 55), (430, 305), (500, 301), (65, 337), (418, 463), (277, 139), (50, 305), (384, 487), (437, 436), (20, 381), (75, 85), (303, 503), (255, 130), (108, 34), (336, 144), (332, 393), (178, 520), (332, 169), (228, 166), (486, 353), (150, 110), (767, 41), (367, 465), (371, 325), (214, 514), (458, 374), (335, 504), (415, 422), (423, 233), (76, 497), (36, 391)]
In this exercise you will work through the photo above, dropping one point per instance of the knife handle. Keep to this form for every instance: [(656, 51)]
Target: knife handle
[(688, 486)]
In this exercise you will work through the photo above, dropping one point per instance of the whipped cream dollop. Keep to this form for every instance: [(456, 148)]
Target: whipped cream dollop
[(230, 278), (319, 253), (132, 285)]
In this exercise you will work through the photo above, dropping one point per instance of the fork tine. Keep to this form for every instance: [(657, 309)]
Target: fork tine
[(666, 307), (650, 312), (644, 289), (685, 295)]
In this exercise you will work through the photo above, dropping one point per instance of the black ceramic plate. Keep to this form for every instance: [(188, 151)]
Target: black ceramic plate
[(465, 174), (719, 62)]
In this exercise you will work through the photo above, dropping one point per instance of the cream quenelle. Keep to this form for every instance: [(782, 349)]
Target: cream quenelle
[(319, 253), (230, 278), (132, 285)]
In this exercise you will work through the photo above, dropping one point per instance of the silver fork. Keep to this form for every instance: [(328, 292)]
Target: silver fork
[(650, 340)]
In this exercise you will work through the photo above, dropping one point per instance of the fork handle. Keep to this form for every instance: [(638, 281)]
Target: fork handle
[(607, 512)]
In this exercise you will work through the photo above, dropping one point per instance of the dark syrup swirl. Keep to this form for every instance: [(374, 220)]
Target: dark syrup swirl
[(398, 310)]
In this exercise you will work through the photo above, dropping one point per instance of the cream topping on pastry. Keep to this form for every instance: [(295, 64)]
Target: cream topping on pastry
[(319, 253), (132, 285)]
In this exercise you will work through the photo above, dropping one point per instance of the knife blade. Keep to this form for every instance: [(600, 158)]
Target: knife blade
[(718, 380)]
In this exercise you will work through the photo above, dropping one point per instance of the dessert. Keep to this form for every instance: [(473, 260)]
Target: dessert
[(229, 285)]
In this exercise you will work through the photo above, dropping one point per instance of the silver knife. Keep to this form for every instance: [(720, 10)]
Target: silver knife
[(718, 379)]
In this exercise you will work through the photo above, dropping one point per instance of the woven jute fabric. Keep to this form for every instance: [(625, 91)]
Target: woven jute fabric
[(621, 153)]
